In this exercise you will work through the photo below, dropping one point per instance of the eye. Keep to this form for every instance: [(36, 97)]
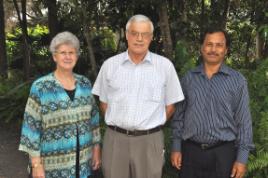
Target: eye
[(209, 44), (133, 33), (146, 34), (220, 45), (63, 53)]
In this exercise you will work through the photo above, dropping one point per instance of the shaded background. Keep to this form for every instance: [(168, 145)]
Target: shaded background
[(27, 26)]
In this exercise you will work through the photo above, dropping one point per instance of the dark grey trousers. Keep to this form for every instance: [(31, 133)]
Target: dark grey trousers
[(216, 162)]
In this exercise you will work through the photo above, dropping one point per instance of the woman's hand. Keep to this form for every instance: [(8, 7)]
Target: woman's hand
[(96, 157), (38, 172)]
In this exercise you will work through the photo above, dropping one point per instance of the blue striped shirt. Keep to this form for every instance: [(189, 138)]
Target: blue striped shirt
[(215, 109)]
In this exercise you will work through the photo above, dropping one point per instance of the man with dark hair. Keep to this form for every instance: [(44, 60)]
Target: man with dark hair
[(211, 128)]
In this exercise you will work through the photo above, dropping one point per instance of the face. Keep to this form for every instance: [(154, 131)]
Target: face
[(65, 57), (214, 48), (139, 37)]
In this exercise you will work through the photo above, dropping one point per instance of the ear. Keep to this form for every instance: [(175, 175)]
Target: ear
[(201, 49), (226, 51), (126, 36), (54, 58)]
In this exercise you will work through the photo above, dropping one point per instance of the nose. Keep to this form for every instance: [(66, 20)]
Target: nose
[(139, 37), (213, 48)]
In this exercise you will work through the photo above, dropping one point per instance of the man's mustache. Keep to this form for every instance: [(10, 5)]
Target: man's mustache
[(212, 53)]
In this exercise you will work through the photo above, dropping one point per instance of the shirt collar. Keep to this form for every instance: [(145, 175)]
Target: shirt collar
[(223, 69), (147, 58)]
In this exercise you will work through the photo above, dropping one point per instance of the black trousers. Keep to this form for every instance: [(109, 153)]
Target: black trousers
[(215, 162)]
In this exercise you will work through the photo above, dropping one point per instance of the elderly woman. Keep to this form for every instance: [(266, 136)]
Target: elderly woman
[(60, 130)]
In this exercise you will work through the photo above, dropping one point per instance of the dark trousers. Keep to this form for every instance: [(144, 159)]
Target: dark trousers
[(215, 162)]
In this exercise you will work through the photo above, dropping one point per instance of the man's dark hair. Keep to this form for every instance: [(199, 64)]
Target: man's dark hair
[(211, 30)]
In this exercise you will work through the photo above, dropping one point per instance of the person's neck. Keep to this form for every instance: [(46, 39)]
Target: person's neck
[(66, 79), (211, 69), (136, 58)]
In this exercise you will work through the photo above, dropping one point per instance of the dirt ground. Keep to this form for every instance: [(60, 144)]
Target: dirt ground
[(13, 163)]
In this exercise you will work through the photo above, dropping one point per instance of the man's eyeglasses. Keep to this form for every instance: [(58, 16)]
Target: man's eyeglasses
[(144, 35)]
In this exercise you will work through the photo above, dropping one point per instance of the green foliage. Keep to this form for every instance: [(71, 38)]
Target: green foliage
[(258, 89), (264, 32), (258, 164), (107, 38), (168, 171), (183, 61), (37, 37), (13, 96)]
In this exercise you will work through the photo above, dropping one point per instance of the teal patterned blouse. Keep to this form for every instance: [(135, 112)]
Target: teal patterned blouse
[(52, 121)]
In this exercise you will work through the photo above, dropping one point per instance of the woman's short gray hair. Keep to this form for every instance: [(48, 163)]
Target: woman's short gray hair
[(139, 18), (64, 38)]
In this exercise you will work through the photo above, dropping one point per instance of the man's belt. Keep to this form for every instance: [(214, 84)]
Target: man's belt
[(135, 132), (206, 146)]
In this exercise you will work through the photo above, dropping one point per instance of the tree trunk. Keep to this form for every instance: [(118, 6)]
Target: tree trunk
[(53, 23), (165, 30), (26, 46), (219, 12), (202, 18), (247, 61), (259, 45), (225, 13), (3, 54), (87, 34), (121, 36)]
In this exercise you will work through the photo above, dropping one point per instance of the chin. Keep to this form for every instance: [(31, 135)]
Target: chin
[(139, 51)]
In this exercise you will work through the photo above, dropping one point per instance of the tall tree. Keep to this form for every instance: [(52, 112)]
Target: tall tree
[(25, 38), (261, 21), (219, 12), (53, 23), (165, 29), (86, 30), (3, 54), (202, 18)]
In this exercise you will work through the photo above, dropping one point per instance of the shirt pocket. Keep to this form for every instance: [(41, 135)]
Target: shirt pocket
[(191, 97), (117, 90), (155, 91)]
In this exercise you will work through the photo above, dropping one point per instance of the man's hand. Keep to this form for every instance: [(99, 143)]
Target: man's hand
[(176, 159), (238, 170), (96, 157)]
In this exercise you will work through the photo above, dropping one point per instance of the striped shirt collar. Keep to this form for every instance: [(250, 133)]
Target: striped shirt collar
[(223, 69), (147, 58)]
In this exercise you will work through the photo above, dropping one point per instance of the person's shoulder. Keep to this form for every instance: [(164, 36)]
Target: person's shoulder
[(43, 79), (235, 73), (116, 59), (160, 59), (80, 76), (41, 83), (161, 62), (82, 79), (193, 71)]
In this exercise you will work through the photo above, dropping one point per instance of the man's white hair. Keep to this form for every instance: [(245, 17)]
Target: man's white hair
[(139, 18)]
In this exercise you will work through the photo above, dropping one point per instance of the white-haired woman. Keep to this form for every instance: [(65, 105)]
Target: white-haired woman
[(60, 130)]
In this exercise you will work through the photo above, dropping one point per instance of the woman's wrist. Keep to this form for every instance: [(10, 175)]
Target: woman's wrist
[(36, 165)]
